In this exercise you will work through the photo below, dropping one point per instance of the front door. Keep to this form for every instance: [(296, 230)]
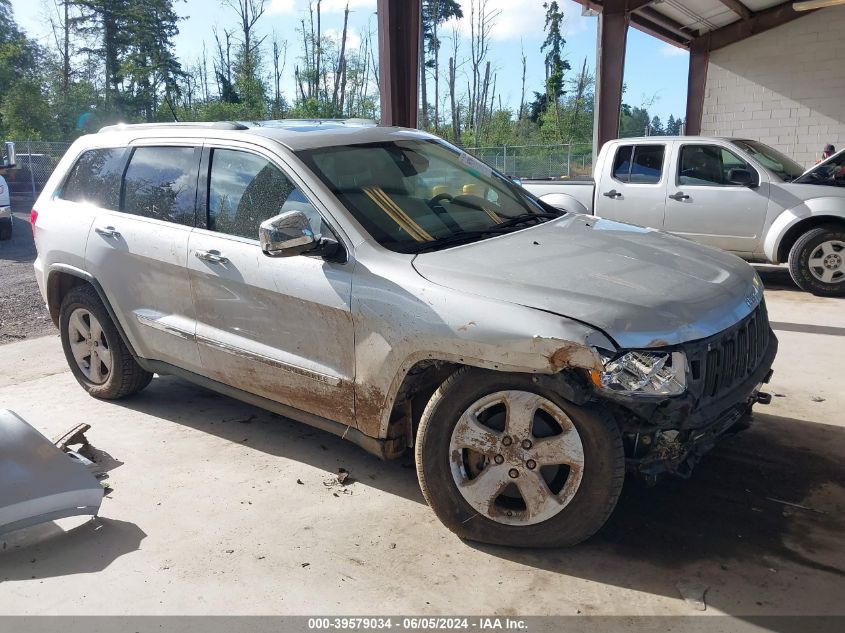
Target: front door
[(138, 253), (704, 204), (275, 327), (634, 188)]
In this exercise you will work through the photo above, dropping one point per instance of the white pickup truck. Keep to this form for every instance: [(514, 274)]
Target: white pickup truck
[(738, 195)]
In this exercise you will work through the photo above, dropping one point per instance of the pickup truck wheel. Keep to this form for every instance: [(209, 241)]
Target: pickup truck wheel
[(5, 229), (95, 351), (817, 261), (502, 460)]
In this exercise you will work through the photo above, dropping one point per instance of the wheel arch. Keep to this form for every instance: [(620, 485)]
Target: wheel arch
[(799, 228), (415, 386), (62, 279)]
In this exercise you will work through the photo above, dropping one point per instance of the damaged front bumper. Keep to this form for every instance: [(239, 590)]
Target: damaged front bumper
[(38, 481), (669, 435)]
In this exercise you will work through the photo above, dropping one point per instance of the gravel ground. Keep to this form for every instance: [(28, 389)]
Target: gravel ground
[(22, 311)]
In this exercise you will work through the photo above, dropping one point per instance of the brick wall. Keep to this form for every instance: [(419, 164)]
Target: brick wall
[(785, 87)]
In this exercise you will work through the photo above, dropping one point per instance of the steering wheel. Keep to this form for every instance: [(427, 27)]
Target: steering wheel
[(439, 197)]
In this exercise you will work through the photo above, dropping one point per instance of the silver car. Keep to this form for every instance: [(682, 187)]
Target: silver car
[(383, 285)]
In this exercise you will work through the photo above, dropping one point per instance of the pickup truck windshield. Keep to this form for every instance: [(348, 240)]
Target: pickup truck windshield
[(419, 195), (781, 166)]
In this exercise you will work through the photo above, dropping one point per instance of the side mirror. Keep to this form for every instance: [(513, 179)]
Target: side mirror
[(287, 234), (742, 177)]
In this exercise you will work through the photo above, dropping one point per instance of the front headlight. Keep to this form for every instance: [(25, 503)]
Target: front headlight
[(643, 372)]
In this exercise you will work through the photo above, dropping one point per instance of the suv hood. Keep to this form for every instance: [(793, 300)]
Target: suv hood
[(642, 287)]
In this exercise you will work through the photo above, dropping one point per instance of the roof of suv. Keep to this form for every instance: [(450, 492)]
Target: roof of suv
[(295, 134)]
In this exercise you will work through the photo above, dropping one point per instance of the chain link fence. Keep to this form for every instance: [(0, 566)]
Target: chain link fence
[(569, 161), (36, 161)]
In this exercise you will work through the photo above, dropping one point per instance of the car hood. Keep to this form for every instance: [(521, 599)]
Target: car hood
[(644, 288)]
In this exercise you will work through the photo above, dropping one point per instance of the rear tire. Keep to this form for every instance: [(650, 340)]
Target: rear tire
[(99, 359), (548, 511), (817, 261), (5, 229)]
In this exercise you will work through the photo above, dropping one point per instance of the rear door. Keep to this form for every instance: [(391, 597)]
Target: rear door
[(277, 327), (704, 205), (138, 250), (633, 186)]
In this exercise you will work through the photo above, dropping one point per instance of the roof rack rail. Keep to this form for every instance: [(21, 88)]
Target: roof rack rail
[(215, 125), (282, 123)]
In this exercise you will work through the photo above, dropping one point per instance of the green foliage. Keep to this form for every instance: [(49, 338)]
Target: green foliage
[(26, 113)]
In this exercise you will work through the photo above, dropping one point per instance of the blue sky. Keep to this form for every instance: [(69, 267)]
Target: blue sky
[(655, 72)]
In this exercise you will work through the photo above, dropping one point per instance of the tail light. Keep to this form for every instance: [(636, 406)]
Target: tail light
[(33, 216)]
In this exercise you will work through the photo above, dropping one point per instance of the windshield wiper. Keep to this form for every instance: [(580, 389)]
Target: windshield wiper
[(469, 236)]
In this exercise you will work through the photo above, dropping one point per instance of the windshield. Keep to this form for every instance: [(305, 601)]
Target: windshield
[(831, 172), (781, 166), (416, 195)]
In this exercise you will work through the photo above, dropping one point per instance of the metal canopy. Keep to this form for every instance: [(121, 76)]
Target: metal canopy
[(681, 22), (699, 26)]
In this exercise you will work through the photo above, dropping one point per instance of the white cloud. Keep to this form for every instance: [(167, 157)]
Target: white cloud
[(280, 6), (667, 50), (327, 6), (521, 18), (338, 6), (353, 40)]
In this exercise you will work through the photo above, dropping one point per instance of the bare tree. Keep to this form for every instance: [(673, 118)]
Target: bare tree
[(60, 25), (522, 94), (248, 12), (481, 21), (340, 71), (280, 53)]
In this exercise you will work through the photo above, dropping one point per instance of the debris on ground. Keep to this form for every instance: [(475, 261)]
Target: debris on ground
[(305, 564), (693, 593), (43, 482), (817, 399), (342, 476), (300, 482), (241, 419), (795, 505)]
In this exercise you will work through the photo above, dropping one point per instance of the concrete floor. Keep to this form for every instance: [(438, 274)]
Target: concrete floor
[(221, 508)]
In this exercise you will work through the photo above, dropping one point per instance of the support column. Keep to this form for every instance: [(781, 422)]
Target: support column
[(610, 67), (699, 58), (399, 48)]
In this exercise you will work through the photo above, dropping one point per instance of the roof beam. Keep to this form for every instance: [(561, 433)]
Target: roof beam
[(758, 23), (737, 7)]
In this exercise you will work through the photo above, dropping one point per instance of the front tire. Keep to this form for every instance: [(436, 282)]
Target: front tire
[(817, 261), (503, 460), (99, 359)]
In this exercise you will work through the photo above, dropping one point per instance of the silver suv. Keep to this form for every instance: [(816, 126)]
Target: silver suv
[(383, 285)]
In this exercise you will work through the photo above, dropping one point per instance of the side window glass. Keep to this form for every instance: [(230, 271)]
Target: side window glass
[(245, 189), (709, 165), (161, 183), (647, 166), (95, 178), (622, 163)]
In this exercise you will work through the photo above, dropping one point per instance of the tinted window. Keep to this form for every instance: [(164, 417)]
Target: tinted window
[(642, 164), (95, 178), (161, 183), (622, 164), (647, 165), (246, 189), (709, 165)]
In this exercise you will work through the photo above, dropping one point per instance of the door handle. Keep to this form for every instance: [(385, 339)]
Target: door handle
[(212, 257), (679, 196), (109, 231), (612, 194)]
